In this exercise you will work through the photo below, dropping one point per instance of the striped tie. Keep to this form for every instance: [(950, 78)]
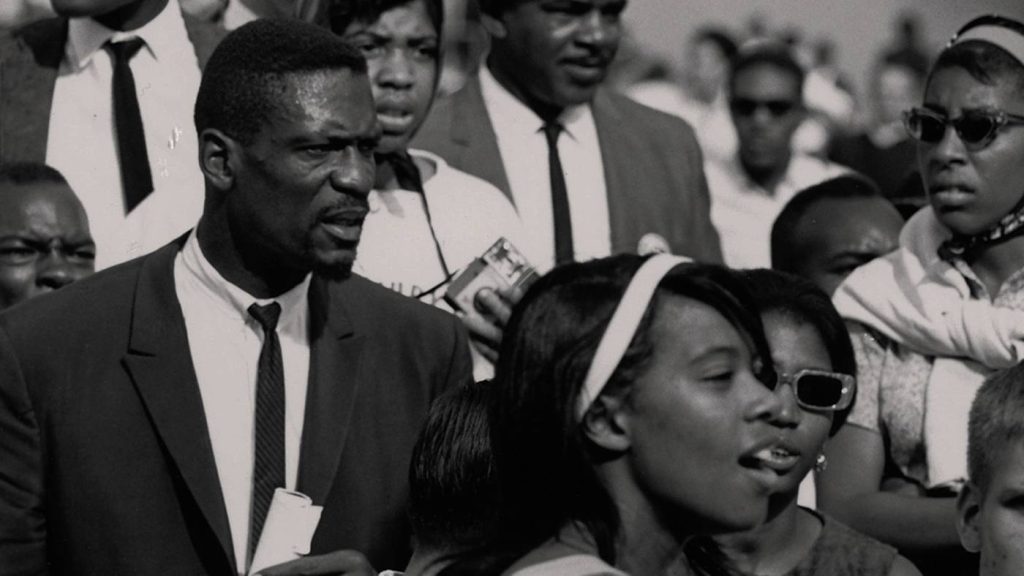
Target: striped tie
[(268, 461)]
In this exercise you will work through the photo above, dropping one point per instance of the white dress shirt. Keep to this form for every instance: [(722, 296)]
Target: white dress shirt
[(743, 212), (225, 343), (81, 141), (524, 154)]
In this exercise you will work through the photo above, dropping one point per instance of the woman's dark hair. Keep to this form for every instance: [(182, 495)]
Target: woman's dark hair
[(802, 301), (544, 462), (985, 62), (451, 474)]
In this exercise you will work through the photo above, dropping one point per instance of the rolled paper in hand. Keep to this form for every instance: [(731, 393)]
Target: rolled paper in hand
[(287, 531)]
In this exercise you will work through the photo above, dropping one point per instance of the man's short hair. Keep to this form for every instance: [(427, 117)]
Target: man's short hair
[(985, 62), (757, 52), (996, 423), (26, 173), (344, 14), (785, 241), (244, 78)]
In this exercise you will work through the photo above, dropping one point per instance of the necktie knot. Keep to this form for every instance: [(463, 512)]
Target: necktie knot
[(404, 169), (267, 315), (552, 130), (124, 51)]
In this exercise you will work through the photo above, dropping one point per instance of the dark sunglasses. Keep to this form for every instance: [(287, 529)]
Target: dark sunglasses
[(820, 390), (976, 129), (747, 106)]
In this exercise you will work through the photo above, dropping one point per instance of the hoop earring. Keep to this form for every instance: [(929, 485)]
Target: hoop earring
[(821, 463)]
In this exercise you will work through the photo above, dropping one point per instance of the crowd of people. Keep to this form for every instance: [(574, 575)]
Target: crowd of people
[(273, 301)]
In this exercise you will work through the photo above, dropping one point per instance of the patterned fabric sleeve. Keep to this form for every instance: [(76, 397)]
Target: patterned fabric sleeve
[(866, 411)]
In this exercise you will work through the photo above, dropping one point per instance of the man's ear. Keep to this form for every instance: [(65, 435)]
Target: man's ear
[(218, 158), (494, 25), (606, 423), (968, 511)]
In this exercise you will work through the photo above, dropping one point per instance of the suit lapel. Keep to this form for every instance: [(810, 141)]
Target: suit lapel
[(334, 377), (27, 79), (473, 131), (160, 365), (615, 140)]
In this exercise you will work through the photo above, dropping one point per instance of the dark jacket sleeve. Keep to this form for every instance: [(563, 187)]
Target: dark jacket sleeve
[(460, 364), (22, 521)]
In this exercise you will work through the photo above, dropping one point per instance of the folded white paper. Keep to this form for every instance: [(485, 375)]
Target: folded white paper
[(287, 531)]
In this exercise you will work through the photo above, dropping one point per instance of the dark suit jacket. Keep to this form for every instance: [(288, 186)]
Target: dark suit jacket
[(653, 167), (106, 465), (30, 59)]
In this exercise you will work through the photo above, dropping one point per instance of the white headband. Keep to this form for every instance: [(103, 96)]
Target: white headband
[(1005, 38), (622, 327)]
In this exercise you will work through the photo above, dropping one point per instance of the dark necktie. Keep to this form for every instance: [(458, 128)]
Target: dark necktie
[(131, 139), (559, 196), (268, 462), (404, 169)]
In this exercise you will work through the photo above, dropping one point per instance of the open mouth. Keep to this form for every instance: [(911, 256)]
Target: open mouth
[(768, 463), (776, 458), (394, 117)]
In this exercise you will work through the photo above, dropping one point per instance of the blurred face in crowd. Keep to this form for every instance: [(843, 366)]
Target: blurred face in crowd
[(796, 346), (991, 520), (300, 186), (897, 88), (401, 50), (552, 54), (971, 187), (767, 108), (839, 235), (701, 427), (44, 240), (708, 68)]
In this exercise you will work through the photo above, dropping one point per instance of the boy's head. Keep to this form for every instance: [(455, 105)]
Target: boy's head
[(990, 518), (828, 230), (401, 40)]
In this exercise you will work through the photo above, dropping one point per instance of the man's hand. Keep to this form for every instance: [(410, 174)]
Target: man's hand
[(340, 563), (486, 328)]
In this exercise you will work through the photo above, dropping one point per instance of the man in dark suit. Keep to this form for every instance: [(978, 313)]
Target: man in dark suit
[(637, 185), (146, 412)]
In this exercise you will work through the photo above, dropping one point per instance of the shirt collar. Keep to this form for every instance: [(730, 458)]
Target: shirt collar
[(512, 115), (233, 300), (86, 36)]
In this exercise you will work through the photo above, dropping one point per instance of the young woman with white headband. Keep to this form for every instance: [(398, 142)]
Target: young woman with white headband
[(634, 410), (946, 309)]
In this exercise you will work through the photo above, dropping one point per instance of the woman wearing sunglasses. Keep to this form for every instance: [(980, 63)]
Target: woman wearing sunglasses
[(814, 360), (936, 316), (634, 409)]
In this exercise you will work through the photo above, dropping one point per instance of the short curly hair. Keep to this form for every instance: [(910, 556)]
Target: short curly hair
[(342, 13), (245, 76)]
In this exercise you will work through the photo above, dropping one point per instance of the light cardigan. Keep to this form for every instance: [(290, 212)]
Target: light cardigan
[(924, 303)]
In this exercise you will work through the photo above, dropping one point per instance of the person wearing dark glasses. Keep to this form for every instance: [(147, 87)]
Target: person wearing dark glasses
[(936, 316), (815, 363), (749, 189)]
